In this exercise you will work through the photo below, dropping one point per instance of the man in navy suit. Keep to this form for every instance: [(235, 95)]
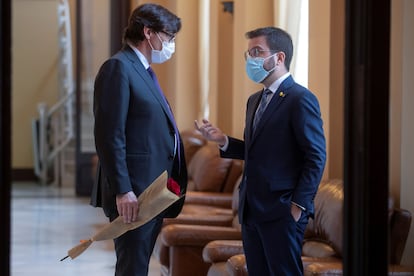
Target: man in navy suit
[(284, 157), (135, 133)]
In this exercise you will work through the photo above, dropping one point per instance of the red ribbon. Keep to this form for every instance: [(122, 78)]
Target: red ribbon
[(173, 186)]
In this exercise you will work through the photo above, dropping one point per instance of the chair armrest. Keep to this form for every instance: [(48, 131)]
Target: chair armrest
[(236, 265), (192, 219), (196, 235), (222, 200), (324, 268), (221, 250), (400, 270)]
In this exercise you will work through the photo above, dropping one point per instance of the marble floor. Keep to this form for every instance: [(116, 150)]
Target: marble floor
[(47, 221)]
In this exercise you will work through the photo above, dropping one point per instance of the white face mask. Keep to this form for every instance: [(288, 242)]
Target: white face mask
[(160, 56)]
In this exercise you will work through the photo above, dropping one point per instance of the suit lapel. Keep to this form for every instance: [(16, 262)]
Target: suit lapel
[(145, 76), (277, 99)]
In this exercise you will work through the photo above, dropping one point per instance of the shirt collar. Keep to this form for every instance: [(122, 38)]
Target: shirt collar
[(275, 85), (141, 57)]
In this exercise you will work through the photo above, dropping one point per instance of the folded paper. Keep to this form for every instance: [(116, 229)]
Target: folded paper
[(152, 201)]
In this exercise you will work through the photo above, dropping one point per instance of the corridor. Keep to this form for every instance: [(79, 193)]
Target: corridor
[(47, 221)]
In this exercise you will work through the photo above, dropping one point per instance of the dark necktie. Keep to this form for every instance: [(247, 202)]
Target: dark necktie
[(171, 115), (262, 106)]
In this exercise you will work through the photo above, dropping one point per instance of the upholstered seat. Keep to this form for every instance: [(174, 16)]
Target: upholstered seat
[(322, 247), (181, 241)]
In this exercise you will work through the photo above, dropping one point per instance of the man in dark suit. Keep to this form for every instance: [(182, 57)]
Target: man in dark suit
[(284, 157), (135, 133)]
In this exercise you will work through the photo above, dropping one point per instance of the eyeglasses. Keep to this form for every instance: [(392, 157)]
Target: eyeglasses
[(171, 37), (256, 52)]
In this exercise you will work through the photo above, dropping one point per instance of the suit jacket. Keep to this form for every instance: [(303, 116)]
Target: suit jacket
[(284, 157), (134, 133)]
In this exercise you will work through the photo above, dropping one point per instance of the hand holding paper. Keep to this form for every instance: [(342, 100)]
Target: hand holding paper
[(162, 193)]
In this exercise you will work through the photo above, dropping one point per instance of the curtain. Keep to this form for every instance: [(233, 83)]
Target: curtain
[(204, 57), (293, 16)]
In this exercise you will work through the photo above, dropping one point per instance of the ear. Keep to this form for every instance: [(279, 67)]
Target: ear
[(280, 58), (147, 32)]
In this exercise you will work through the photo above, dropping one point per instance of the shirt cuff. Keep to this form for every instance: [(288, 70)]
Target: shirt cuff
[(299, 206), (226, 144)]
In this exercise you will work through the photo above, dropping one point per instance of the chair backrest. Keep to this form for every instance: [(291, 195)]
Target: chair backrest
[(327, 224), (207, 170), (233, 176), (192, 142), (400, 223)]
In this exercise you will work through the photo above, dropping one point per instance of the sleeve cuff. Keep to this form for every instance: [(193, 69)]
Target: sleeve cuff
[(299, 206), (226, 144)]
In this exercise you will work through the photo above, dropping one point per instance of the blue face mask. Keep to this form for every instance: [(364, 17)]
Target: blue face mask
[(255, 69)]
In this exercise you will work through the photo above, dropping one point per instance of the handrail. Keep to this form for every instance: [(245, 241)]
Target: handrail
[(45, 156), (59, 104)]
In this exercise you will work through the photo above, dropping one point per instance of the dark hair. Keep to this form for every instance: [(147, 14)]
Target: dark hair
[(277, 39), (152, 16)]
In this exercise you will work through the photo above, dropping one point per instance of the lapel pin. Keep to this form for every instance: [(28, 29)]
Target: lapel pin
[(281, 94)]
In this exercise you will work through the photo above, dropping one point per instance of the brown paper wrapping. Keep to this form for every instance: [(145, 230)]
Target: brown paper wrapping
[(155, 199)]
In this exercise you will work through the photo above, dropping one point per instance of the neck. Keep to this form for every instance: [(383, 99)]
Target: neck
[(276, 74), (145, 49)]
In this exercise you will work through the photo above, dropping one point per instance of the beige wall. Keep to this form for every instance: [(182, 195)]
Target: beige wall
[(402, 135), (319, 63), (184, 95), (336, 89), (224, 67), (34, 70), (396, 61)]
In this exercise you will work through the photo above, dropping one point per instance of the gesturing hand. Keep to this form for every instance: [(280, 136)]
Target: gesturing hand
[(210, 132)]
